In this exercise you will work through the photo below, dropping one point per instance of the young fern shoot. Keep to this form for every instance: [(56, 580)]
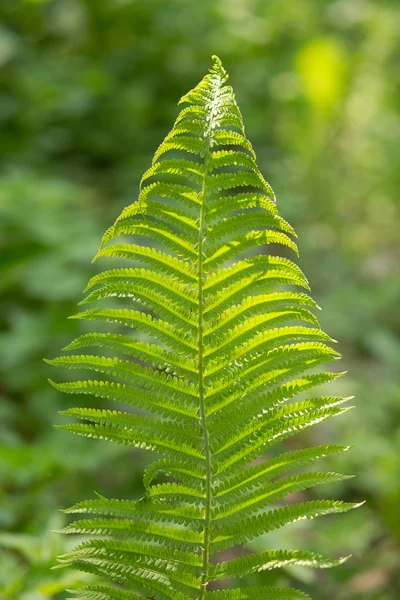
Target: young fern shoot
[(223, 341)]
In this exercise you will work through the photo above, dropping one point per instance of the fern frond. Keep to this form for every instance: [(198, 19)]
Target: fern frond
[(214, 342)]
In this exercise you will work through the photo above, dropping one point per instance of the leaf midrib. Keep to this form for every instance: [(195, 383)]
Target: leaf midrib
[(203, 414)]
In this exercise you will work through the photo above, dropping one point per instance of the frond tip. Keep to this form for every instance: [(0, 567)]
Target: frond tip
[(211, 344)]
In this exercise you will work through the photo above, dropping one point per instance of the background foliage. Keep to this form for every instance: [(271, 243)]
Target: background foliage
[(88, 88)]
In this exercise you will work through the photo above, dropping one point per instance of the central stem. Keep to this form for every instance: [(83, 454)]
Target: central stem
[(203, 416)]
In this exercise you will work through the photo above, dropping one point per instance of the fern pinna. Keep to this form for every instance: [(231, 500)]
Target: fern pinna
[(221, 347)]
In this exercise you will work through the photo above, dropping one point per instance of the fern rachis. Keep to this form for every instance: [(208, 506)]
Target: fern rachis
[(211, 371)]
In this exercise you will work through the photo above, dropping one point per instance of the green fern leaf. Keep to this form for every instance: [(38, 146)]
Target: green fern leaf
[(213, 348)]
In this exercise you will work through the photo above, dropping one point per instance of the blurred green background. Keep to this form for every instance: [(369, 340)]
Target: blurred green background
[(88, 88)]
